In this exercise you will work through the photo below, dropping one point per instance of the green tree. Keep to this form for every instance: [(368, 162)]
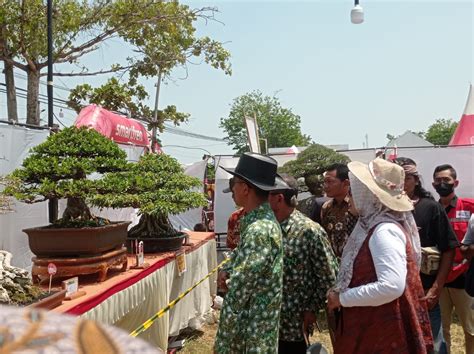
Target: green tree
[(311, 163), (161, 35), (158, 187), (278, 125), (124, 98), (441, 131), (59, 168)]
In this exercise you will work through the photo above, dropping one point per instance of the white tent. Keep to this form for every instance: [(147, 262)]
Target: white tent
[(427, 158), (408, 139)]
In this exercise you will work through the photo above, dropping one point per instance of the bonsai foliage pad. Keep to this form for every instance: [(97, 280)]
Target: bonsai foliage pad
[(69, 267)]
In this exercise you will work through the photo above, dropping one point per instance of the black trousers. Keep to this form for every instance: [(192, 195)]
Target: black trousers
[(285, 347)]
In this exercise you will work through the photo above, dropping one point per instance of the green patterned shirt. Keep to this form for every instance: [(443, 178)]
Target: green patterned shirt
[(310, 269), (251, 311)]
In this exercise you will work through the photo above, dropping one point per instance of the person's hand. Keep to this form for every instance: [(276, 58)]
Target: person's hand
[(309, 319), (221, 281), (432, 297), (333, 300)]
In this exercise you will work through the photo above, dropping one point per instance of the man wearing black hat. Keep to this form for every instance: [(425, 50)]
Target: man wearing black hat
[(250, 314)]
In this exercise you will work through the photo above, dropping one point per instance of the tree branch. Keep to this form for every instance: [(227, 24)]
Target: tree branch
[(86, 73)]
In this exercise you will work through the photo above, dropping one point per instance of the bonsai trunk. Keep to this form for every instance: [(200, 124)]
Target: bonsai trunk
[(76, 209), (152, 226)]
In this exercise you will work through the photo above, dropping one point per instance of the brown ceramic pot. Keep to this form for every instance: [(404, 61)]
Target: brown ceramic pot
[(71, 242), (158, 244)]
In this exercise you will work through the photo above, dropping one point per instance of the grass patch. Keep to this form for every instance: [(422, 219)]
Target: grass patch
[(202, 341)]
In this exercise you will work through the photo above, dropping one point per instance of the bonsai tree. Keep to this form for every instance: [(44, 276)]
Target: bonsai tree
[(158, 187), (6, 204), (311, 164), (61, 167)]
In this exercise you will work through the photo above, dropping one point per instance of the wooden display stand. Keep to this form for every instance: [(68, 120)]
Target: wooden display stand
[(68, 267)]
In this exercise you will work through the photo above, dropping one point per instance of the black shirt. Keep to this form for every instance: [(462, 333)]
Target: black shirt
[(434, 229)]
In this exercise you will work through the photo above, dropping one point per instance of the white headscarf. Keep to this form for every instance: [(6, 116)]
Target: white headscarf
[(371, 213)]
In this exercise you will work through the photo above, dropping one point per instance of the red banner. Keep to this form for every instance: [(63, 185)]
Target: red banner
[(120, 129)]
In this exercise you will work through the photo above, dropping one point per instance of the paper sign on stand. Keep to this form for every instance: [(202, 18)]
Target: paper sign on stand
[(140, 255), (52, 269), (181, 262)]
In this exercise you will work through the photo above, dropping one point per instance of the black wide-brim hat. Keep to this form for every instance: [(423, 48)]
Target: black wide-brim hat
[(258, 170)]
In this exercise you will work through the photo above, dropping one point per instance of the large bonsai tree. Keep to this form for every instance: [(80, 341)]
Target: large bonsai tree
[(62, 166), (311, 164), (158, 187)]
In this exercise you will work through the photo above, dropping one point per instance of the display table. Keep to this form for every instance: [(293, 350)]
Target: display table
[(128, 299)]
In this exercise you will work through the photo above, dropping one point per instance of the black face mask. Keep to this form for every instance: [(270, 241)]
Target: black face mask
[(444, 189)]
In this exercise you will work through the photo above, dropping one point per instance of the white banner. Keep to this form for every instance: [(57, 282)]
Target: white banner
[(252, 134)]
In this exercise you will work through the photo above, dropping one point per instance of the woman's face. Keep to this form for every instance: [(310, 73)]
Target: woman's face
[(410, 184)]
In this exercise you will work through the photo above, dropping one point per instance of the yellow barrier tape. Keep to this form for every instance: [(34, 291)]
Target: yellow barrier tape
[(147, 324)]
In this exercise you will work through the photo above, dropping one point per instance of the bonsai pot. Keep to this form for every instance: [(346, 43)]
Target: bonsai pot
[(51, 301), (158, 244), (75, 242)]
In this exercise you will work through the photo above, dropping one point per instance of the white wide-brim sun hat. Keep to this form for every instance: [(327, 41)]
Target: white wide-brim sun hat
[(386, 180)]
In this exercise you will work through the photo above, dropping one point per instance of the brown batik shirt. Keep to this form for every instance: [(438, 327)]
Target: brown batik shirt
[(338, 223)]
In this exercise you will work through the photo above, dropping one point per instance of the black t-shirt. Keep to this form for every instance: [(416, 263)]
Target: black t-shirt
[(434, 229)]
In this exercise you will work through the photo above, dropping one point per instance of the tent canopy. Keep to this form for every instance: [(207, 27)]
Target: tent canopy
[(464, 134), (120, 129)]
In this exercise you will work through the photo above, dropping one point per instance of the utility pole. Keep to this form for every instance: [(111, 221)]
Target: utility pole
[(53, 203), (155, 114), (367, 140)]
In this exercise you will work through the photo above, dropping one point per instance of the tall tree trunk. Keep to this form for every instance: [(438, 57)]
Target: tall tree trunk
[(32, 106), (11, 92)]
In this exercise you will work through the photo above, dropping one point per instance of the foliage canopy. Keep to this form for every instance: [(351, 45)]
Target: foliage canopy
[(312, 163), (278, 125), (441, 131), (160, 34), (87, 168)]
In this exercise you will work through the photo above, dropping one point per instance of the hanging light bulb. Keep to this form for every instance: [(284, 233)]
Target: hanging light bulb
[(357, 13)]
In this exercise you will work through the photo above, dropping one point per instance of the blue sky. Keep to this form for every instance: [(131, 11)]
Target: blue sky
[(407, 65)]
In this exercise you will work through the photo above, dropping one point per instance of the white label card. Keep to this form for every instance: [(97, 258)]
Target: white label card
[(71, 286)]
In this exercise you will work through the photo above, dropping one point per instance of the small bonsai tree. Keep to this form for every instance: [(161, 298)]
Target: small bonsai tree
[(6, 203), (311, 164), (158, 187), (61, 167)]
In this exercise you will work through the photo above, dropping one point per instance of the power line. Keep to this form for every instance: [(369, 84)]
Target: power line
[(25, 77), (39, 94), (167, 127), (183, 132), (21, 95), (186, 147)]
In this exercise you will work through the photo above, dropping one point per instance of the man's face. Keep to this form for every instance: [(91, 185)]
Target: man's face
[(443, 176), (333, 186), (444, 183), (275, 199), (240, 191)]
